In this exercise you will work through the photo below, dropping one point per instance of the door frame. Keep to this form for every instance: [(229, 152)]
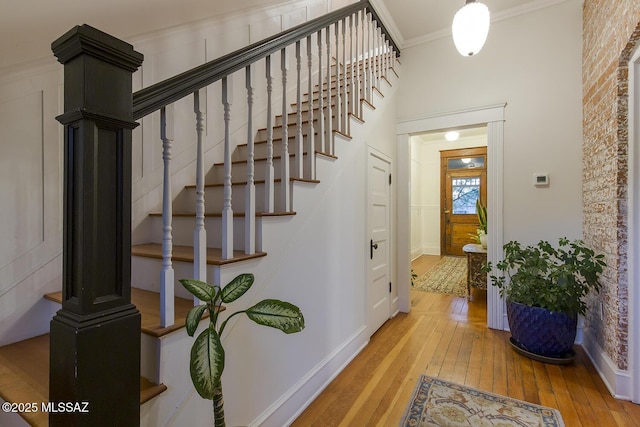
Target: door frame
[(393, 298), (445, 155), (493, 117)]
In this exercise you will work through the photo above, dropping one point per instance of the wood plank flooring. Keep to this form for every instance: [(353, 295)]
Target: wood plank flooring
[(447, 337)]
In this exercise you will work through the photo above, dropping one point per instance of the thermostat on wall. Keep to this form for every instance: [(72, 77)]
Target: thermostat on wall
[(541, 179)]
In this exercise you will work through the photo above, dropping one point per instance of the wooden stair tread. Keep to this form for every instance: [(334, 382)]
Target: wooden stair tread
[(185, 254), (24, 377), (148, 303)]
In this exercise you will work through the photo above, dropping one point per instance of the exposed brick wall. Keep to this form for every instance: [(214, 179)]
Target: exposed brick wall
[(610, 35)]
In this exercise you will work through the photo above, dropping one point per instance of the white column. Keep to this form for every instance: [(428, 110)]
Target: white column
[(227, 211), (284, 204), (167, 277), (299, 136), (199, 233), (328, 141), (310, 163), (338, 106), (269, 172), (321, 135), (250, 189)]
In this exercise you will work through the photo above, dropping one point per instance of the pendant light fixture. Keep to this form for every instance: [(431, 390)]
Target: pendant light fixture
[(471, 27)]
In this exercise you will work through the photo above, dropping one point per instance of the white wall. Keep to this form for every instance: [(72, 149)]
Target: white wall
[(425, 191), (538, 74)]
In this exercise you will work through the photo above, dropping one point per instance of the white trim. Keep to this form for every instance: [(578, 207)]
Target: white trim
[(403, 223), (495, 17), (450, 119), (493, 117), (304, 392), (617, 381), (633, 219)]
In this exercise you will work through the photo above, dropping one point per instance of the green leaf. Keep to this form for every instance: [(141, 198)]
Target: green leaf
[(201, 290), (237, 287), (207, 363), (277, 314), (193, 318)]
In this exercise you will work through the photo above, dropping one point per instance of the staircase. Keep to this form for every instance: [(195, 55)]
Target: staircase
[(283, 165)]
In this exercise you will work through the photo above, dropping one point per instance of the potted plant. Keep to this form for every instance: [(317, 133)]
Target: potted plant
[(481, 233), (545, 288), (207, 353)]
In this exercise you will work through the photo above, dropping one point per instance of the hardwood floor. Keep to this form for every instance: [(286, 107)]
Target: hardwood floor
[(447, 337)]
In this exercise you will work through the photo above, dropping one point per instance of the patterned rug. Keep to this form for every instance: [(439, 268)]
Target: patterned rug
[(448, 276), (442, 403)]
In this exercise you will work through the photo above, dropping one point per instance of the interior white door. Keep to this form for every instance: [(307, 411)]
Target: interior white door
[(379, 203)]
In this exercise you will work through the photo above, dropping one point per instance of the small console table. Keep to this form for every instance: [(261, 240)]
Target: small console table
[(476, 257)]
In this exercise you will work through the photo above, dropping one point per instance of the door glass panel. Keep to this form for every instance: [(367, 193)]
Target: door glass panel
[(466, 163), (464, 193)]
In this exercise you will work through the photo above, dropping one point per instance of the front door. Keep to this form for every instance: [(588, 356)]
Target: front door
[(379, 204), (463, 180)]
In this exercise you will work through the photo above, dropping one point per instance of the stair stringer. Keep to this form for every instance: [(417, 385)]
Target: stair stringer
[(316, 260)]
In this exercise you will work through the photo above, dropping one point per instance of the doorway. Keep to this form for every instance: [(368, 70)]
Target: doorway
[(463, 183), (493, 118)]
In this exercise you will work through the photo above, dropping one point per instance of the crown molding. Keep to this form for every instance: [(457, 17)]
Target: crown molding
[(495, 17)]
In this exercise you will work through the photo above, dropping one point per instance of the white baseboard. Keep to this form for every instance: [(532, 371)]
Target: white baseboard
[(311, 385), (618, 381)]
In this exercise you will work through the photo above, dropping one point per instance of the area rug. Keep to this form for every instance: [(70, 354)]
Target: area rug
[(448, 276), (441, 403)]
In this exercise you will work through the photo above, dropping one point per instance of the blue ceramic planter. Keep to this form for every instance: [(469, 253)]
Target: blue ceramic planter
[(541, 331)]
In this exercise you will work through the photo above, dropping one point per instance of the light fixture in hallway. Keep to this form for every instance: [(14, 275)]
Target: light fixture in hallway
[(452, 136), (470, 27)]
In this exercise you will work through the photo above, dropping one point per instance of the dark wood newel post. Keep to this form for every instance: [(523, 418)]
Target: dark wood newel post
[(95, 337)]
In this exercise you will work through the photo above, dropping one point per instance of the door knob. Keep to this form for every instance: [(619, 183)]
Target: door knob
[(372, 247), (447, 212)]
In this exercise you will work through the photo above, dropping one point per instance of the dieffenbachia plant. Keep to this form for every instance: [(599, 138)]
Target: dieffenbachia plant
[(207, 353)]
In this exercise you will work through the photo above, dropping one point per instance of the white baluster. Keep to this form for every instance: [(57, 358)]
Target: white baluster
[(250, 189), (329, 114), (321, 134), (269, 172), (343, 89), (299, 136), (376, 53), (285, 194), (365, 44), (352, 71), (227, 210), (356, 65), (384, 58), (310, 163), (338, 106), (199, 233), (379, 57), (167, 277), (370, 82)]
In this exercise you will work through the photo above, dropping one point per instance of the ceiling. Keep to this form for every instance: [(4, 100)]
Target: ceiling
[(29, 26), (421, 18)]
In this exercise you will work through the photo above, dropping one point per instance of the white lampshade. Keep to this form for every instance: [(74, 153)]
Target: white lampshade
[(471, 27)]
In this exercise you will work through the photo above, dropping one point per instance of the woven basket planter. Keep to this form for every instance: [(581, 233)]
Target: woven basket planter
[(541, 331)]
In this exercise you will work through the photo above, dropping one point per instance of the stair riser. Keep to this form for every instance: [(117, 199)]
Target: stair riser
[(239, 171), (260, 148), (214, 199), (292, 130), (183, 231)]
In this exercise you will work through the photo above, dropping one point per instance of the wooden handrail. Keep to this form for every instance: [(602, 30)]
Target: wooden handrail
[(161, 94)]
